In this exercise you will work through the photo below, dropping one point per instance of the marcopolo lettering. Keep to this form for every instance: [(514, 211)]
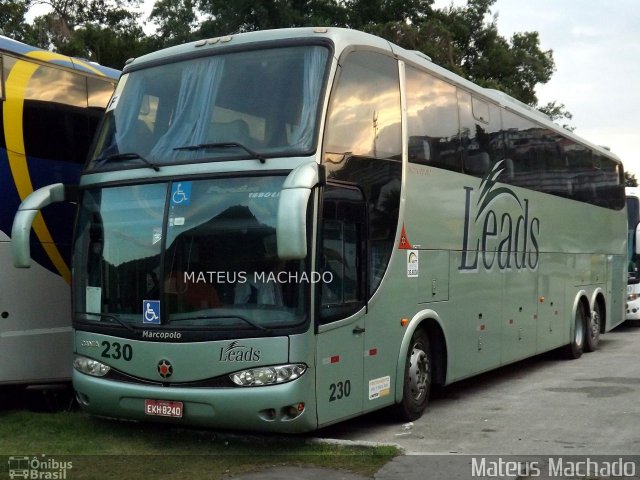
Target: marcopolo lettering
[(234, 352), (159, 335), (493, 239)]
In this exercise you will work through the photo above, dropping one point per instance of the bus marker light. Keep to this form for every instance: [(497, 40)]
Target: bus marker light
[(372, 352), (292, 411), (404, 322)]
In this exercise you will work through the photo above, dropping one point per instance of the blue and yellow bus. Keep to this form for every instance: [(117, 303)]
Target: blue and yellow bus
[(51, 106), (280, 230)]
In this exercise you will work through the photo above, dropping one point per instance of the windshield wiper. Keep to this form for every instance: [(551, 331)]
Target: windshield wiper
[(130, 156), (113, 317), (205, 146), (210, 316)]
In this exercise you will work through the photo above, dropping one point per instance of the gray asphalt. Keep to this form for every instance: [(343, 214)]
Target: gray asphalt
[(526, 412)]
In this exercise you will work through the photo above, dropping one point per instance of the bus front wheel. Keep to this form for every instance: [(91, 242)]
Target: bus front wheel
[(417, 378)]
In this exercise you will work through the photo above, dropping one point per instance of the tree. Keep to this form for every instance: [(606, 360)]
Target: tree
[(105, 31), (225, 17), (12, 19), (177, 21), (630, 180), (557, 113)]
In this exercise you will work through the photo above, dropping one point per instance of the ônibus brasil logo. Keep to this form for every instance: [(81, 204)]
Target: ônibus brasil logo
[(498, 239)]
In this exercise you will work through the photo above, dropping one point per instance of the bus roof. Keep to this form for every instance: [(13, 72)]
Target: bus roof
[(342, 38), (9, 45)]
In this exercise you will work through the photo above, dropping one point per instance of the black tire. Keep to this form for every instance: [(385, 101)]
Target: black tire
[(417, 378), (576, 347), (592, 333)]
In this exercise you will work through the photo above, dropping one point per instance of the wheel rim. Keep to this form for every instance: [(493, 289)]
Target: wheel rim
[(595, 326), (579, 334), (418, 373)]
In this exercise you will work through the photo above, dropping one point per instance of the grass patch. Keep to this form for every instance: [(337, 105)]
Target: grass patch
[(109, 449)]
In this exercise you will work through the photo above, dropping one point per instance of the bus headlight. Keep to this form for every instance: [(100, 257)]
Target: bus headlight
[(259, 376), (632, 296), (90, 367)]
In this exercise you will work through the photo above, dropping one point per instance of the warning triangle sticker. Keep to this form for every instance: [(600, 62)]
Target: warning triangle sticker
[(404, 241)]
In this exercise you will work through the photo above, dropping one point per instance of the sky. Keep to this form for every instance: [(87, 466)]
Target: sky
[(596, 49)]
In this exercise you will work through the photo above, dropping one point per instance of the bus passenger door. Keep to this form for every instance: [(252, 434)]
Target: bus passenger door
[(340, 339)]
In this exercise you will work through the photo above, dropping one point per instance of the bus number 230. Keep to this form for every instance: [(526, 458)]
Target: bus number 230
[(116, 351), (339, 390)]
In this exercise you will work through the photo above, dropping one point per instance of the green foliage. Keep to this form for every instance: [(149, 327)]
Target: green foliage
[(176, 21), (105, 31), (630, 180), (558, 113), (12, 21), (104, 449)]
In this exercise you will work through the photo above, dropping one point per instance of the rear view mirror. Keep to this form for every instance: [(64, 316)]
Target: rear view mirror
[(291, 228)]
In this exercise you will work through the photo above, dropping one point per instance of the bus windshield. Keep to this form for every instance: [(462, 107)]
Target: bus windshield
[(215, 108), (190, 254)]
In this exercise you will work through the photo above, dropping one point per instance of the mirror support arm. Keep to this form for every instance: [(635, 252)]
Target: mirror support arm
[(23, 220)]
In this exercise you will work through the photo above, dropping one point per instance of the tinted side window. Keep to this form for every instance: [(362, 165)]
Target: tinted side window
[(55, 119), (543, 160), (480, 134), (432, 121), (363, 146), (364, 117), (523, 145)]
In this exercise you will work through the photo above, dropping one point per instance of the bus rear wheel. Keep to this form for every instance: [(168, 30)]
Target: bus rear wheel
[(576, 347), (417, 378), (592, 337)]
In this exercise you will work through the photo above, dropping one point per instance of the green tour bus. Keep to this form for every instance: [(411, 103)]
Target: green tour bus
[(280, 230)]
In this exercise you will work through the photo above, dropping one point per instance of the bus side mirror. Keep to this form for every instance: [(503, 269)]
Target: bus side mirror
[(23, 221), (636, 244), (291, 227)]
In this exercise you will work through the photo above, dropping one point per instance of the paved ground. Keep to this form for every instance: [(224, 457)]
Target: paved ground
[(545, 406)]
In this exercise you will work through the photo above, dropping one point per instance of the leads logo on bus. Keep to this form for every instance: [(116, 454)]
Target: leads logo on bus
[(498, 239), (234, 352)]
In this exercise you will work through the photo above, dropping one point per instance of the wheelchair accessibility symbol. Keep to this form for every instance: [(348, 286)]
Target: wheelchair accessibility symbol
[(181, 193), (151, 312)]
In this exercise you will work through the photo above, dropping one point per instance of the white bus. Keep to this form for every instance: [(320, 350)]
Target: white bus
[(280, 230), (50, 107), (633, 285)]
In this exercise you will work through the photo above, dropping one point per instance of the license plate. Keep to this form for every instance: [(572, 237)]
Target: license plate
[(163, 408)]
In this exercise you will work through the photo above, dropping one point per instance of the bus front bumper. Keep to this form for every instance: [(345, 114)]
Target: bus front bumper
[(633, 309), (286, 408)]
